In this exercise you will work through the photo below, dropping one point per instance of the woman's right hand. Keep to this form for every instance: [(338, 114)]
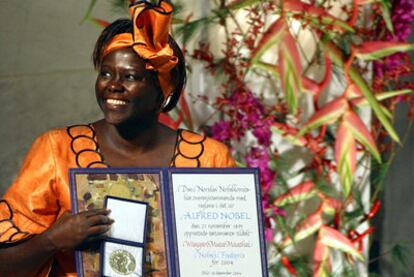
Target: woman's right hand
[(70, 231)]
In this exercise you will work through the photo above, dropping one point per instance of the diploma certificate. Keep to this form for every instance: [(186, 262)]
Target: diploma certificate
[(216, 223)]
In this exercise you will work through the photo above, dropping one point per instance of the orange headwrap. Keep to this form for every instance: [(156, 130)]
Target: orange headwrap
[(150, 40)]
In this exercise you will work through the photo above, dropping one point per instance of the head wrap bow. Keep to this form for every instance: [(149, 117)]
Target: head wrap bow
[(151, 25)]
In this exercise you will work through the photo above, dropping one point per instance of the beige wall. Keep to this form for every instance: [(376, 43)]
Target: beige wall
[(46, 76)]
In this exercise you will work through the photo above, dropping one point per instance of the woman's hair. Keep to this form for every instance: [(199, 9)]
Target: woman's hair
[(178, 73)]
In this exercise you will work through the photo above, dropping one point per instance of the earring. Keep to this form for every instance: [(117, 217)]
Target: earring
[(167, 101)]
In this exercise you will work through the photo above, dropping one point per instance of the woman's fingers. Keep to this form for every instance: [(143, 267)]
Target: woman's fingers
[(99, 220), (94, 212), (98, 230), (72, 230)]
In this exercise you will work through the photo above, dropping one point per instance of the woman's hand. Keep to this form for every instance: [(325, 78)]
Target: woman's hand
[(70, 231)]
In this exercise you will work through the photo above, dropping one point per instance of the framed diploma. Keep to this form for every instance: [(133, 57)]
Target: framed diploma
[(215, 227), (173, 221)]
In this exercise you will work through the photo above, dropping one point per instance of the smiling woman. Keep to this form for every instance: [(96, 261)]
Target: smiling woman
[(123, 90), (141, 73)]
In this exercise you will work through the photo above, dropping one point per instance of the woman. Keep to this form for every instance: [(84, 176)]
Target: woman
[(141, 73)]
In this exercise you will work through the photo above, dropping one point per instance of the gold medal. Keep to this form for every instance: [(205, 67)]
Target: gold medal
[(122, 262)]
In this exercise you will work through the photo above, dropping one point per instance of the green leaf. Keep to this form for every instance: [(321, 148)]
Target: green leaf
[(298, 193), (389, 94), (240, 4), (301, 266), (270, 68), (345, 156), (273, 35), (178, 7), (375, 50), (400, 255), (120, 6), (240, 164), (288, 137), (337, 58), (385, 7), (291, 82), (326, 188), (378, 171), (357, 127), (360, 101), (284, 227), (307, 227), (188, 30), (89, 10), (335, 239), (328, 114), (360, 82), (354, 214)]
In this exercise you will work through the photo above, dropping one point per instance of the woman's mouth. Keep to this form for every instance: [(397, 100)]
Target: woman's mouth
[(116, 102)]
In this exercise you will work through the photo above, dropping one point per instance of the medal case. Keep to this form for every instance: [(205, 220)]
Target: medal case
[(122, 251)]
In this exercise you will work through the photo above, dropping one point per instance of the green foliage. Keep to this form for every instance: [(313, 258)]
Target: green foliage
[(377, 176), (400, 256), (120, 6), (301, 265), (335, 40), (89, 10), (346, 271), (386, 6), (190, 29)]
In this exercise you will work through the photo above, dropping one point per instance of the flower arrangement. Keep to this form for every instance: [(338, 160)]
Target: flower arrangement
[(277, 98)]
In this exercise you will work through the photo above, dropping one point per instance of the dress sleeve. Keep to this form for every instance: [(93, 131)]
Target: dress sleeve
[(224, 157), (219, 154), (30, 205)]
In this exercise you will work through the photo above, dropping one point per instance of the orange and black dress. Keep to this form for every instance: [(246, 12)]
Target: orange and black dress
[(41, 193)]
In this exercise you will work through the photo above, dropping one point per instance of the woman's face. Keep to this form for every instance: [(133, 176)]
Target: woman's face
[(124, 90)]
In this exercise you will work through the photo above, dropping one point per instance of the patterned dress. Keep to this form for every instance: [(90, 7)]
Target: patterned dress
[(41, 193)]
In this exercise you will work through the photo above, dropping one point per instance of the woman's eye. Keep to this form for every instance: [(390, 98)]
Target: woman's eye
[(133, 77), (105, 74)]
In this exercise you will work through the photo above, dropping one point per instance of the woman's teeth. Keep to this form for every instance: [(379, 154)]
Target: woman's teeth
[(115, 102)]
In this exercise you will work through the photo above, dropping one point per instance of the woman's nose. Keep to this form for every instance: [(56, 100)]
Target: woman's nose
[(116, 86)]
